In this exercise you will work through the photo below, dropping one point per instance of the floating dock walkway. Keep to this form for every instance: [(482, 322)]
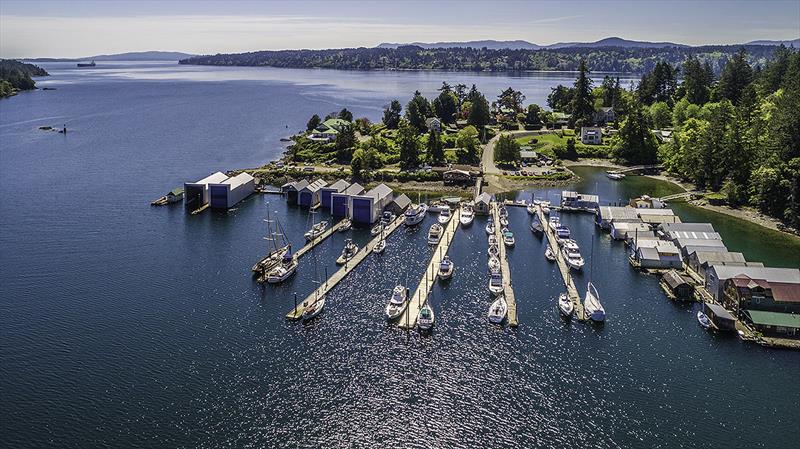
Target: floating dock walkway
[(508, 291), (409, 317), (580, 314), (297, 312), (319, 239)]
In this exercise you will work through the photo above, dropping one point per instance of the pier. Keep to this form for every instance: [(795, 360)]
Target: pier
[(508, 291), (319, 239), (409, 317), (297, 312), (580, 314)]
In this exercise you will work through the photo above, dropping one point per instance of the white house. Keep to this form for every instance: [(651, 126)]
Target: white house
[(591, 135)]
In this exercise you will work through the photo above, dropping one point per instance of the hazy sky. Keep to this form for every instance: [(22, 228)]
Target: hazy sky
[(73, 28)]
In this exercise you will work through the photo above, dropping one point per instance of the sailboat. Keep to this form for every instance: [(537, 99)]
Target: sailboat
[(274, 252), (591, 303), (498, 310), (536, 225), (316, 230), (380, 246), (285, 270), (314, 308)]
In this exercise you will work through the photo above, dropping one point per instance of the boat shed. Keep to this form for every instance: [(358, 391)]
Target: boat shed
[(606, 215), (327, 191), (310, 195), (657, 216), (675, 235), (720, 316), (718, 274), (677, 285), (399, 204), (667, 229), (775, 324), (457, 177), (196, 193), (624, 230), (229, 192), (342, 202), (368, 207), (581, 201), (689, 246), (699, 261), (482, 203), (658, 254), (292, 190)]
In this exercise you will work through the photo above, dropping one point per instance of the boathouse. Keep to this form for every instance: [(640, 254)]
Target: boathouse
[(579, 201), (624, 230), (774, 324), (196, 193), (482, 203), (744, 292), (292, 190), (718, 274), (657, 216), (658, 254), (399, 204), (668, 230), (721, 318), (606, 215), (457, 177), (310, 195), (677, 286), (227, 193), (327, 191), (688, 246), (700, 261), (367, 208), (342, 202)]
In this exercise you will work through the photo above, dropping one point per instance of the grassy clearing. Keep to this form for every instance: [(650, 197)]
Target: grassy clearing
[(553, 145)]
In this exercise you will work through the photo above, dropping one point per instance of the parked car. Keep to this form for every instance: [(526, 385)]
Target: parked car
[(308, 169)]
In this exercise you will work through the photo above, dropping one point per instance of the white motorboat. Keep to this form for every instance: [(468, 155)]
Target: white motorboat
[(615, 175), (346, 225), (592, 305), (312, 310), (492, 239), (494, 250), (498, 310), (496, 283), (387, 218), (446, 268), (536, 226), (434, 234), (379, 247), (397, 303), (508, 237), (490, 226), (426, 318), (572, 256), (531, 208), (348, 252), (703, 319), (285, 270), (444, 216), (562, 234), (415, 214), (377, 229), (554, 222), (438, 206), (565, 306), (545, 205), (494, 265), (467, 215), (549, 254), (503, 212), (504, 221), (316, 230)]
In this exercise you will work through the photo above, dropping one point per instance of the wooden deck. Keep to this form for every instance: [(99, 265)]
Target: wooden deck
[(580, 314), (297, 312), (508, 290), (409, 317)]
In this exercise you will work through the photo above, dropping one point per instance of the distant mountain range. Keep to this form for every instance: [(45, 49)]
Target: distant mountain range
[(130, 56), (602, 43)]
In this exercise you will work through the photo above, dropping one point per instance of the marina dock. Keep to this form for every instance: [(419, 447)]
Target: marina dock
[(508, 291), (409, 317), (297, 312), (321, 238), (580, 314)]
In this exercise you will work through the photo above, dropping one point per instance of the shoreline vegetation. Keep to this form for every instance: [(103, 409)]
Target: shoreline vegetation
[(17, 76)]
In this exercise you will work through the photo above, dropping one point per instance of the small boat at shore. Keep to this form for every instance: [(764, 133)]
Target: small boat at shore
[(498, 310), (348, 252), (345, 225), (496, 283), (434, 234), (565, 306), (591, 303), (316, 230), (397, 303), (426, 318), (446, 268), (703, 319), (387, 218)]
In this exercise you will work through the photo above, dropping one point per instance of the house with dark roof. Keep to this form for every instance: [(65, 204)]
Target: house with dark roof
[(774, 324), (677, 286), (743, 292), (327, 191), (591, 135), (399, 204)]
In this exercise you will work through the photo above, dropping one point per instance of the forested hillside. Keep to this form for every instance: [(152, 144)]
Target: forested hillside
[(16, 76)]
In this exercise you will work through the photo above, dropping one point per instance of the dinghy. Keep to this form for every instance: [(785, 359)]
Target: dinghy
[(498, 310), (397, 303), (703, 319)]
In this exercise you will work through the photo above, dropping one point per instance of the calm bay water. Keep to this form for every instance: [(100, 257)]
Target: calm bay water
[(130, 326)]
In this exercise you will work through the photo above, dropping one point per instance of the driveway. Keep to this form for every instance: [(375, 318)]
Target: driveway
[(487, 160)]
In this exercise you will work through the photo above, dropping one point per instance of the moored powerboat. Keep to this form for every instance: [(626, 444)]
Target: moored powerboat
[(554, 222), (494, 265), (467, 215), (545, 205), (572, 255), (445, 216), (397, 303), (616, 176), (490, 226), (377, 229), (498, 310), (316, 230), (591, 303), (345, 225), (387, 218), (549, 254), (504, 221), (446, 268), (348, 252), (531, 208), (508, 237), (494, 250), (435, 234), (536, 226), (496, 283), (415, 214), (562, 234), (565, 306), (438, 206), (426, 318), (379, 247)]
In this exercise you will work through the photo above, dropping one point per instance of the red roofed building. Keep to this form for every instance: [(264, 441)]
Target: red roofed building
[(744, 293)]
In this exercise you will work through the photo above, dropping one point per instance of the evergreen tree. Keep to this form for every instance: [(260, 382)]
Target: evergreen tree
[(736, 75), (417, 111), (313, 122), (636, 144), (445, 106), (506, 149), (345, 141), (391, 115), (511, 99), (532, 115), (435, 148), (408, 144), (696, 81), (582, 102), (344, 114), (658, 85), (479, 112)]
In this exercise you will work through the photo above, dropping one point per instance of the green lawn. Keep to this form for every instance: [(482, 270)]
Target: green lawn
[(546, 144)]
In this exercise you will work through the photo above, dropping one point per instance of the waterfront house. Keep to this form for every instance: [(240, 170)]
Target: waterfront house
[(196, 193), (606, 215), (367, 208), (433, 124), (310, 195), (716, 276), (678, 286), (721, 318), (646, 202), (774, 324), (175, 195), (482, 203), (457, 177), (328, 130), (399, 204), (327, 191), (591, 135), (624, 230), (528, 156), (228, 193), (743, 292), (342, 202), (658, 254), (580, 201), (700, 261), (604, 115)]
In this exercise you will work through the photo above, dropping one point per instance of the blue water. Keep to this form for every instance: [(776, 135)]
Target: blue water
[(125, 325)]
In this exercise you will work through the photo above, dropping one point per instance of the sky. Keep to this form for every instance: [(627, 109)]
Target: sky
[(75, 28)]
